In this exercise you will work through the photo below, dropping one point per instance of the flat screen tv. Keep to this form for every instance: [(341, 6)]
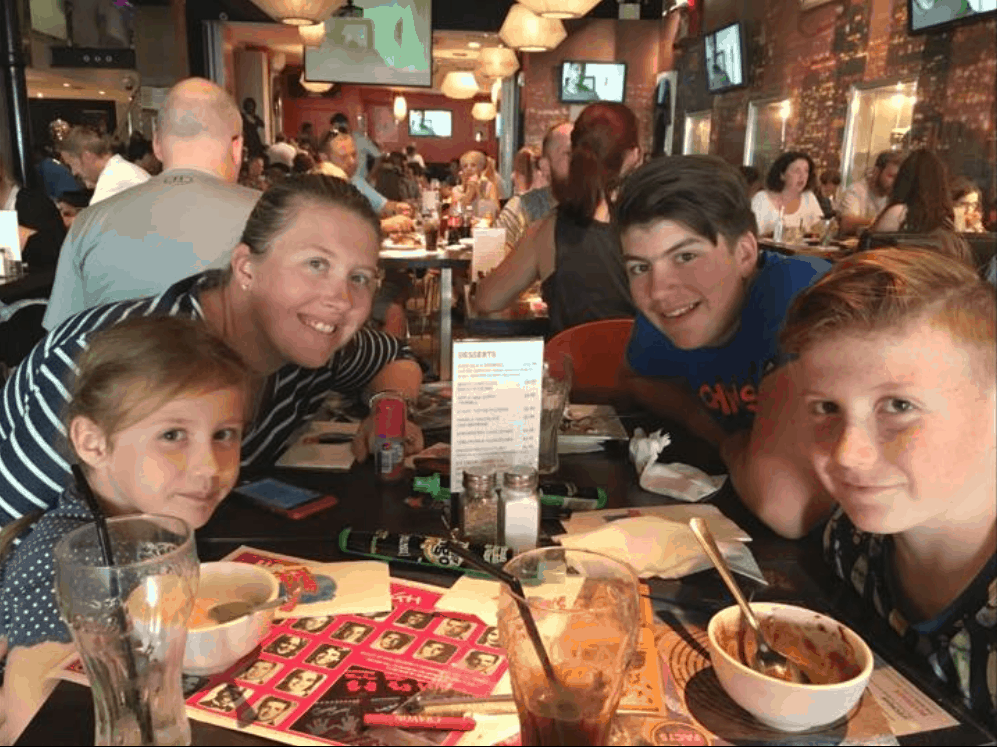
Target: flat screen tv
[(430, 123), (391, 44), (724, 55), (933, 15), (585, 82)]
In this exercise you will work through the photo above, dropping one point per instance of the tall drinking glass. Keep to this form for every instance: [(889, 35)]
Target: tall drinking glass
[(556, 387), (129, 623), (586, 608)]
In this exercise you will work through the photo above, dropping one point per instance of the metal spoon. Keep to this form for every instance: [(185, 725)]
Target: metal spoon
[(228, 611), (766, 660)]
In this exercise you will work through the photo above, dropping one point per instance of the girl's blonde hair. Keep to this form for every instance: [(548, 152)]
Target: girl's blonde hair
[(132, 369), (887, 289)]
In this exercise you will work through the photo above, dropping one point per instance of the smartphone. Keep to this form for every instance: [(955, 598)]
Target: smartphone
[(285, 499)]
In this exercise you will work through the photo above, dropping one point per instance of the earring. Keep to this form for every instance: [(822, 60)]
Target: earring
[(245, 286)]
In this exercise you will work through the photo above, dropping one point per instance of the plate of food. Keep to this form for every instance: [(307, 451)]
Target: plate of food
[(404, 241)]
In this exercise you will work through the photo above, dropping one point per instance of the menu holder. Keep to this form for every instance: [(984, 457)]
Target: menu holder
[(488, 251), (10, 237), (495, 411)]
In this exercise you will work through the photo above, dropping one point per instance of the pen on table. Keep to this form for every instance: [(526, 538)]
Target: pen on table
[(445, 723)]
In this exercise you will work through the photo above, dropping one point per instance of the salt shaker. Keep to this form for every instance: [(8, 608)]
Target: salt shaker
[(478, 507), (519, 510)]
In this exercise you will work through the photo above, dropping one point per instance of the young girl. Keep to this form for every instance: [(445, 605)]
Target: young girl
[(897, 367), (155, 422)]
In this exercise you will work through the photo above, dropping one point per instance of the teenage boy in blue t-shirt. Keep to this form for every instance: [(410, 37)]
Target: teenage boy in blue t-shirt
[(704, 349)]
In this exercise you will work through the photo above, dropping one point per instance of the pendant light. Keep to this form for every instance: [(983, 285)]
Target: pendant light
[(314, 86), (560, 8), (313, 35), (299, 12), (526, 31), (497, 62), (459, 85), (484, 111)]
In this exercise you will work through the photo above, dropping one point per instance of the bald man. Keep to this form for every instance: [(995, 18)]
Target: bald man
[(180, 222), (525, 209)]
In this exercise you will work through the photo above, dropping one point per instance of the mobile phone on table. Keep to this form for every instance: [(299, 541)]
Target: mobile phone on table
[(285, 499)]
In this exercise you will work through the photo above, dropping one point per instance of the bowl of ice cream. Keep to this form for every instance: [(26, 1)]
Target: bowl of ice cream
[(212, 646), (835, 659)]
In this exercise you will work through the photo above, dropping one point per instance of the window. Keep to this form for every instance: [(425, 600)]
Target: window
[(766, 133), (697, 132), (878, 119)]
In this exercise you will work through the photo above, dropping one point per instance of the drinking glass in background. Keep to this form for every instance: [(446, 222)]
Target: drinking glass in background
[(129, 623), (431, 231), (557, 374), (586, 608)]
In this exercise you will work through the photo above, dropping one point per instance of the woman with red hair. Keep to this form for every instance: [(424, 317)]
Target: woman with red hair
[(575, 252)]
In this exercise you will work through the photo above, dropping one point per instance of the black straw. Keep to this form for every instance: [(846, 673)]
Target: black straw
[(140, 709), (520, 596)]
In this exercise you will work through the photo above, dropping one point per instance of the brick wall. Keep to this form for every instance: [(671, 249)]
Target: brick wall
[(815, 57), (595, 40)]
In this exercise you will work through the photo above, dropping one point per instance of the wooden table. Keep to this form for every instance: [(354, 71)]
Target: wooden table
[(831, 252), (445, 261), (794, 570)]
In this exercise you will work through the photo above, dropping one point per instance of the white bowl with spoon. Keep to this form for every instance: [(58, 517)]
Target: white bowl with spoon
[(213, 646)]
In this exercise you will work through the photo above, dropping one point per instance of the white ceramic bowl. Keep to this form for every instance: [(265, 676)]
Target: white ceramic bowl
[(784, 705), (213, 648)]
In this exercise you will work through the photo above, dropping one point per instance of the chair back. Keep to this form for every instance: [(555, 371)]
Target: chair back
[(596, 350)]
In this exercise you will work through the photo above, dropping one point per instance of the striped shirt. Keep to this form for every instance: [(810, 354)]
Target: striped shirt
[(35, 455)]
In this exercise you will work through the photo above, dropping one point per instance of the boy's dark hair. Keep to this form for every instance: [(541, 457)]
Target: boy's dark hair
[(704, 193), (774, 180)]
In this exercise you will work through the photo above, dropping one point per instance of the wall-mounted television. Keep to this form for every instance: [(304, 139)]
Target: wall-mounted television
[(724, 55), (430, 123), (391, 44), (585, 82), (933, 15)]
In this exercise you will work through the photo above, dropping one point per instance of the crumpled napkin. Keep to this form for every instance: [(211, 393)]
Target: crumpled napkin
[(664, 548), (674, 479)]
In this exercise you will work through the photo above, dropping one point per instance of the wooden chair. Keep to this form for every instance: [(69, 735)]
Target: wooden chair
[(597, 350)]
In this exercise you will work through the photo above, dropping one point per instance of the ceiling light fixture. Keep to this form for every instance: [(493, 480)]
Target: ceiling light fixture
[(560, 8), (459, 85), (526, 31), (484, 111), (400, 108), (497, 62), (299, 12), (312, 36), (313, 86)]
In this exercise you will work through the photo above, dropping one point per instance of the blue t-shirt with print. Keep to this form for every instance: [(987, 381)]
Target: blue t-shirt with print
[(726, 378)]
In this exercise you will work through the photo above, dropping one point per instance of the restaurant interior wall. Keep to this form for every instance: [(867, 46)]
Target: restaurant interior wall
[(814, 58), (376, 103), (636, 43)]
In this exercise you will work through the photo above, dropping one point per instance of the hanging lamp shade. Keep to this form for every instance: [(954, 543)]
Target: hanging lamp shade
[(526, 31), (484, 111), (299, 12), (314, 86), (312, 36), (459, 85), (560, 8), (400, 108), (497, 62)]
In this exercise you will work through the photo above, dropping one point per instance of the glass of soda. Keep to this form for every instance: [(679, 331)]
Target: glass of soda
[(586, 608), (129, 623)]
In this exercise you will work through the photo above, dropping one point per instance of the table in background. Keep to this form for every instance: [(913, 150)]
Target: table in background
[(33, 284), (794, 569), (831, 252), (445, 261)]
